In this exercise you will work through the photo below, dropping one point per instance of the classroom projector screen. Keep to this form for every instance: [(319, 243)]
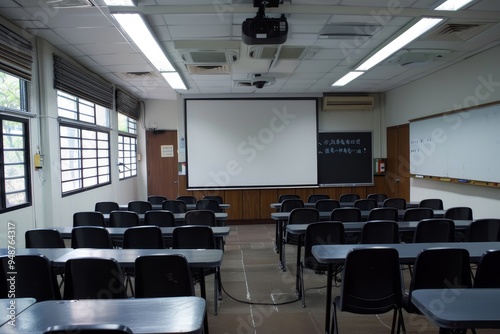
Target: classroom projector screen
[(251, 143)]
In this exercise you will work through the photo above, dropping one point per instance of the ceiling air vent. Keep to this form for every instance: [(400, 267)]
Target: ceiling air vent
[(270, 52), (349, 31), (348, 103), (458, 32), (55, 3), (209, 56), (208, 69)]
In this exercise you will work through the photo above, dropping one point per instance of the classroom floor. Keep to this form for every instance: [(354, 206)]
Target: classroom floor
[(259, 298)]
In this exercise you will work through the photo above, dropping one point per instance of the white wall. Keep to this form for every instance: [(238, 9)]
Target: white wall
[(473, 81)]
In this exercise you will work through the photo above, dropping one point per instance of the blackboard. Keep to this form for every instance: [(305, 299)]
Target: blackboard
[(461, 146), (345, 159)]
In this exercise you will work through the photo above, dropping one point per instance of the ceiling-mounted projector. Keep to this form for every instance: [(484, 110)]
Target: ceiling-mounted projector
[(264, 30)]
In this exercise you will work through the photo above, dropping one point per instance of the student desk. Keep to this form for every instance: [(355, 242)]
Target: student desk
[(336, 254), (277, 206), (12, 307), (50, 253), (223, 206), (141, 315), (459, 308), (179, 217)]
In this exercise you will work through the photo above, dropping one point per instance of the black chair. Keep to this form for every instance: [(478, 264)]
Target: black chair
[(365, 204), (187, 199), (123, 219), (141, 237), (163, 276), (380, 232), (313, 198), (217, 198), (417, 214), (379, 197), (319, 233), (90, 237), (297, 216), (486, 229), (174, 205), (89, 329), (106, 207), (156, 199), (346, 215), (43, 238), (371, 284), (160, 218), (208, 204), (200, 217), (34, 277), (289, 204), (139, 207), (89, 218), (435, 230), (94, 278), (326, 205), (488, 270), (383, 214), (431, 203), (395, 202), (459, 213), (199, 237), (438, 268), (283, 197), (349, 198)]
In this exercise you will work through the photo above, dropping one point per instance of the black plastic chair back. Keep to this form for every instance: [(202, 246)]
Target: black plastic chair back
[(90, 237), (143, 237), (349, 198), (486, 229), (327, 205), (321, 233), (123, 219), (106, 207), (217, 198), (380, 232), (383, 214), (431, 203), (94, 278), (156, 199), (379, 197), (417, 214), (163, 276), (365, 204), (174, 205), (208, 204), (34, 278), (89, 218), (289, 204), (160, 218), (193, 237), (488, 270), (313, 198), (346, 215), (283, 197), (187, 199), (44, 238), (435, 230), (200, 217), (300, 216), (459, 213), (395, 202), (139, 206)]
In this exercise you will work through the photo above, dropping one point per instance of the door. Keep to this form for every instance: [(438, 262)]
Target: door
[(162, 163), (398, 162)]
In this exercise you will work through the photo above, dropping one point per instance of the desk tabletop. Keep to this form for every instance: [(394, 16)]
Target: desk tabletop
[(141, 315), (117, 232), (12, 307), (407, 251), (411, 204), (460, 308), (223, 206), (179, 217), (197, 258), (50, 253), (297, 229), (325, 215)]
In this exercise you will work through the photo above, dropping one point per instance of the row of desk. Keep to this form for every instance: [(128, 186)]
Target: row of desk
[(141, 315)]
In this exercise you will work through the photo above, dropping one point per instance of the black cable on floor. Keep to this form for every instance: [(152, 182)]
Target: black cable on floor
[(258, 303)]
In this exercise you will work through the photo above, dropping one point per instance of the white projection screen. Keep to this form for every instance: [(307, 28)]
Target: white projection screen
[(251, 143)]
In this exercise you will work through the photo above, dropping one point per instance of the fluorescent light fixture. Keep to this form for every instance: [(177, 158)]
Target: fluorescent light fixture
[(120, 3), (415, 31), (174, 80), (136, 28), (347, 78), (453, 4)]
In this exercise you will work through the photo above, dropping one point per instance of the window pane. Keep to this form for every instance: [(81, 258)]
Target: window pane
[(10, 91)]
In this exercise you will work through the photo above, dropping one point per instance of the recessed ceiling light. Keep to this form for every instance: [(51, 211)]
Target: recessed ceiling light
[(120, 3), (347, 78), (453, 4)]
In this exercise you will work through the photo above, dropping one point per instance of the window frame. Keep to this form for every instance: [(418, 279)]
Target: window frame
[(130, 134)]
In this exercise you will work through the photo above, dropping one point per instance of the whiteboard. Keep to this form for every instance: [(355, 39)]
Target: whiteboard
[(462, 145), (246, 143)]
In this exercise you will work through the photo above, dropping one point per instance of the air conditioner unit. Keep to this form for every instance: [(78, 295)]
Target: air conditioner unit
[(348, 103)]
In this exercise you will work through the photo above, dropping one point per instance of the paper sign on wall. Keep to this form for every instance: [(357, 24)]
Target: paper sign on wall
[(167, 151)]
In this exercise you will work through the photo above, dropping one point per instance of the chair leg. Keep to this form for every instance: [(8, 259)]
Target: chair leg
[(334, 325), (301, 285), (401, 322)]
